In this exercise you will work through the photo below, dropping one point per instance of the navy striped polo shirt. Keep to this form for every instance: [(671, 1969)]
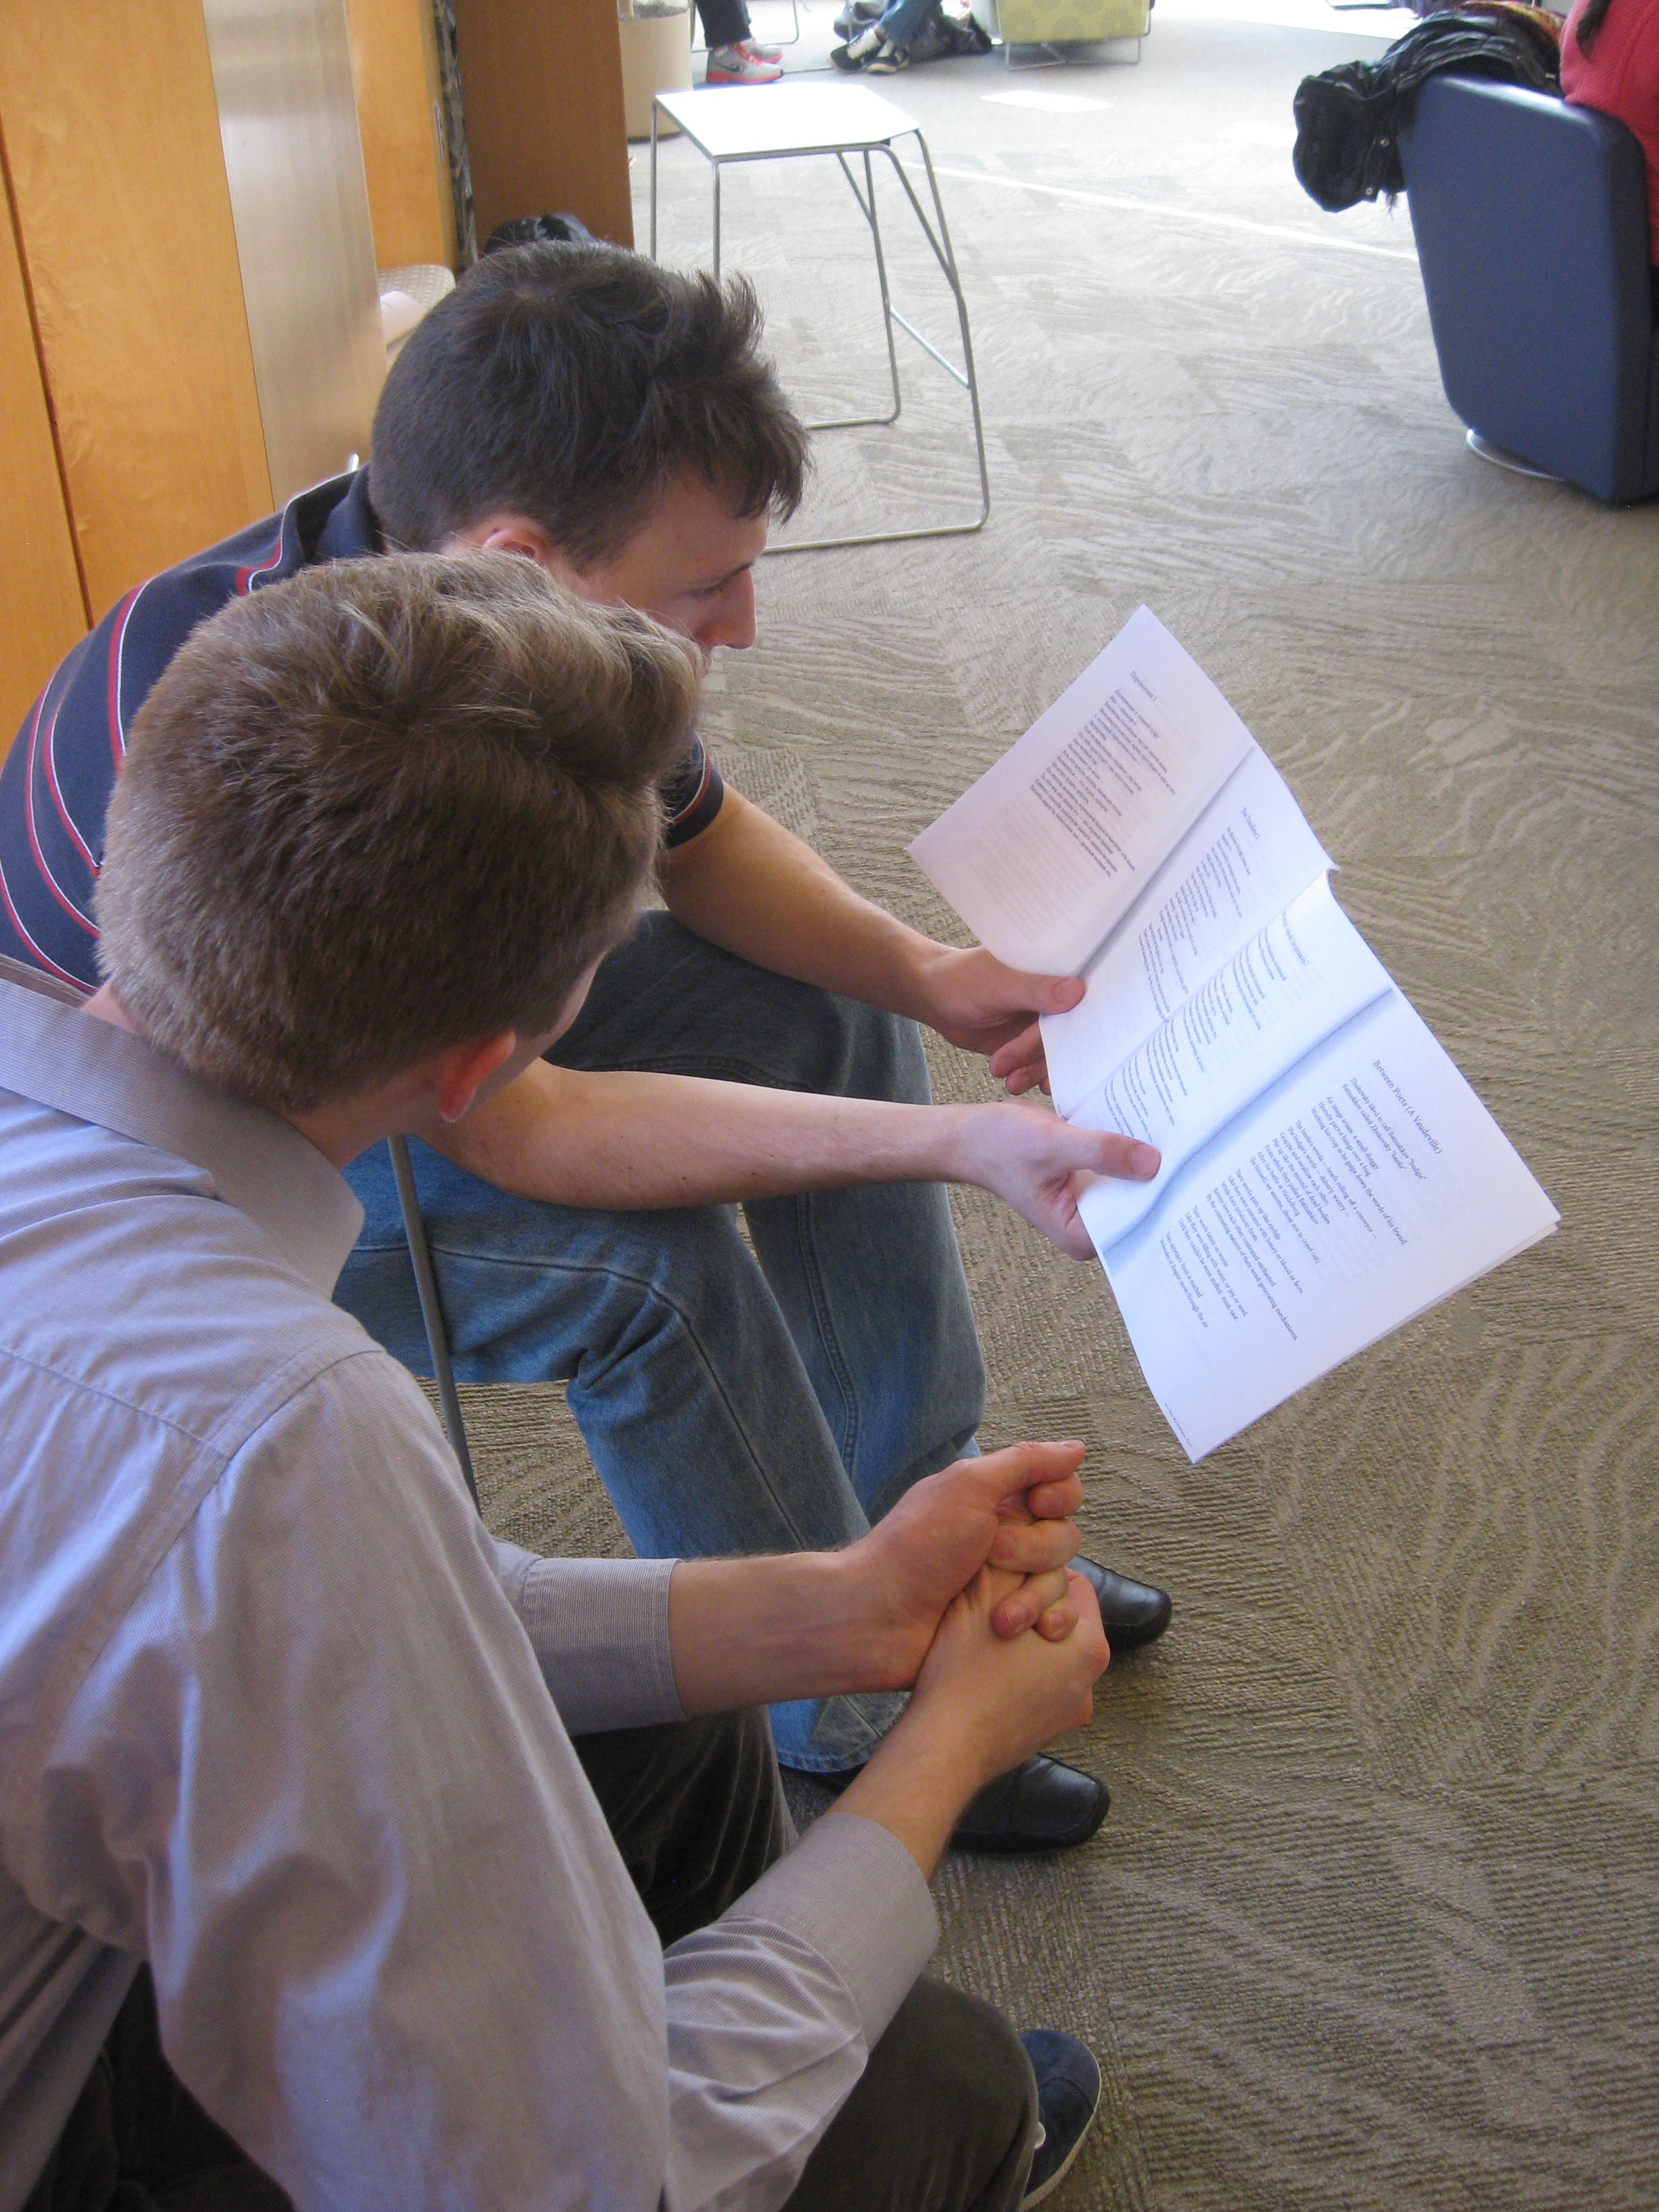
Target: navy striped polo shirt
[(55, 784)]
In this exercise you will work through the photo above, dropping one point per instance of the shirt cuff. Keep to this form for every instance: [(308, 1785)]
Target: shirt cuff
[(599, 1631), (851, 1890)]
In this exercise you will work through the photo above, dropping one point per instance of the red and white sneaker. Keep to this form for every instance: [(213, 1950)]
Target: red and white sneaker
[(733, 65), (757, 52)]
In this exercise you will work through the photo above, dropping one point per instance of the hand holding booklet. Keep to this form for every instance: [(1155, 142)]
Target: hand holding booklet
[(1326, 1174)]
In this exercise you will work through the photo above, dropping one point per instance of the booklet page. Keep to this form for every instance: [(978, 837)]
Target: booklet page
[(1301, 977), (1053, 845), (1241, 862), (1362, 1189)]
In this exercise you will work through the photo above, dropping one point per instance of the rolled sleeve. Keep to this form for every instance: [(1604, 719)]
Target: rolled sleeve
[(774, 2011), (691, 797), (599, 1631)]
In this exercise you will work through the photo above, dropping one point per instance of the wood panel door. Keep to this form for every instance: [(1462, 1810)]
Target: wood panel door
[(545, 130), (293, 164), (394, 67), (112, 140), (45, 610)]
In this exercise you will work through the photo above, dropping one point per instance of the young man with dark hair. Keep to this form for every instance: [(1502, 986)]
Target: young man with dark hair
[(307, 1891), (615, 423)]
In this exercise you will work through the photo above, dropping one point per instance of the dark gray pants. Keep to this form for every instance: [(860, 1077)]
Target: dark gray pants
[(725, 23), (943, 2119)]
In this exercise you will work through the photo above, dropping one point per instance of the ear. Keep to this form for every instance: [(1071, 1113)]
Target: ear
[(511, 534), (456, 1076)]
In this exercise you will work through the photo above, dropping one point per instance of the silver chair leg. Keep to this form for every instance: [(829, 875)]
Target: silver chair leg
[(426, 1283), (866, 204), (945, 255), (965, 376)]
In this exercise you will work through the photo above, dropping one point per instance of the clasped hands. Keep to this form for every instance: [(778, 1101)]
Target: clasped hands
[(995, 1532), (973, 1608), (961, 1595)]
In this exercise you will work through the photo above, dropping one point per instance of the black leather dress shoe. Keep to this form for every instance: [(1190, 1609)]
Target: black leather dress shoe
[(1038, 1806), (1131, 1612)]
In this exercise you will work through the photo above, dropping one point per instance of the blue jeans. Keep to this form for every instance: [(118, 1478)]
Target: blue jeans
[(901, 22), (733, 1402)]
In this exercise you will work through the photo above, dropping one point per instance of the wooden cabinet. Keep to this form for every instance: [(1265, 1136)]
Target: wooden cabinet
[(394, 66), (123, 213), (541, 80), (190, 330), (45, 609)]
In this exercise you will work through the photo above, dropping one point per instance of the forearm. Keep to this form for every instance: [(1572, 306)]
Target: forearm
[(750, 887), (917, 1786), (763, 1631), (758, 1632), (628, 1142), (599, 1631)]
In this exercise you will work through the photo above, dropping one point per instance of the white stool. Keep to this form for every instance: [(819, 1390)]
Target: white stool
[(788, 122)]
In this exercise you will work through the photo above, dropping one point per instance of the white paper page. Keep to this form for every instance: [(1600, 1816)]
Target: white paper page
[(1241, 862), (1053, 844), (1367, 1185), (1304, 975)]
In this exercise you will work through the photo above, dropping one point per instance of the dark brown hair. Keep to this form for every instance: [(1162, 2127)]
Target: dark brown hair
[(380, 810), (570, 384)]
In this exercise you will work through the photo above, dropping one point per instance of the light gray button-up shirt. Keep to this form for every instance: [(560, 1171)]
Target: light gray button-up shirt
[(279, 1716)]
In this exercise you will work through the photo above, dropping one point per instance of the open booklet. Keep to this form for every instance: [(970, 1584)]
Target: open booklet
[(1328, 1174)]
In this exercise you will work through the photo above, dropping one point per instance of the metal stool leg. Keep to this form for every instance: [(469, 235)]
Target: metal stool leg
[(867, 204), (945, 256), (432, 1313), (937, 236)]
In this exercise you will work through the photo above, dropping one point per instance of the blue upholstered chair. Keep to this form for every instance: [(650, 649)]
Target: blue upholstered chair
[(1531, 230)]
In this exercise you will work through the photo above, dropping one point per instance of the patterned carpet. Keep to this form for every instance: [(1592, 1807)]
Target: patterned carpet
[(1374, 1920)]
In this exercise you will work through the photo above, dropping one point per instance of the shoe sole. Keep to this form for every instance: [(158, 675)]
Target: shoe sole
[(1136, 1639), (1041, 2196)]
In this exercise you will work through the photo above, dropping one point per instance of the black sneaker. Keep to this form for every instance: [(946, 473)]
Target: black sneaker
[(859, 52), (890, 58), (1068, 2097)]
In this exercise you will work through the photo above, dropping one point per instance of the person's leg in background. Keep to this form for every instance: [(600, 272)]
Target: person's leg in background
[(731, 1404), (880, 46), (733, 56)]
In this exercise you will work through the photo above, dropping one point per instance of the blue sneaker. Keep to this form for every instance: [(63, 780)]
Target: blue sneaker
[(1068, 2097)]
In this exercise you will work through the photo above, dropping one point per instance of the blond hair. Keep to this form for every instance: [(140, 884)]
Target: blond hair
[(381, 808)]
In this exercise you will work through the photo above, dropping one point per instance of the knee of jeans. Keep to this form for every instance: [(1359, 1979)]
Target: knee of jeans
[(658, 1275)]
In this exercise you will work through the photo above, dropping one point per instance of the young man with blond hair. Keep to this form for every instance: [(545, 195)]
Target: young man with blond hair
[(615, 424), (348, 1856)]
